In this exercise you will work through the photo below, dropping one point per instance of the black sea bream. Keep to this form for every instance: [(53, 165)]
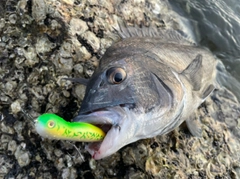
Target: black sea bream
[(145, 86)]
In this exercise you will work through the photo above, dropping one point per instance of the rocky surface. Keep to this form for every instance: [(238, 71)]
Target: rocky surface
[(44, 41)]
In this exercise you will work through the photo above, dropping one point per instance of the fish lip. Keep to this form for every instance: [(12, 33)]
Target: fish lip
[(108, 125), (97, 117), (91, 115), (128, 105), (99, 150)]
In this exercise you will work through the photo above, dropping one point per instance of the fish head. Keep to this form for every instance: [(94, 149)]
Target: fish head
[(125, 99), (108, 87)]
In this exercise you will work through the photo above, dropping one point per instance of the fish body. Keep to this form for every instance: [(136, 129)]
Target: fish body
[(146, 86)]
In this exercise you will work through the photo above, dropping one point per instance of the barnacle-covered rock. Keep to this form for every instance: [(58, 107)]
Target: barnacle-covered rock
[(43, 42)]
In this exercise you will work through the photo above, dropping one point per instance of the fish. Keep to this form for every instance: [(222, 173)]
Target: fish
[(146, 84)]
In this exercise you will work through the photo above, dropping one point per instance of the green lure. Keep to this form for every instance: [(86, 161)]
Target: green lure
[(54, 127)]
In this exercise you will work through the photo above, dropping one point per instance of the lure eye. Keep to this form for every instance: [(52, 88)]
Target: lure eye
[(116, 75), (51, 124)]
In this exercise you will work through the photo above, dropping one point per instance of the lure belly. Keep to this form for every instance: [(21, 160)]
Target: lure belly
[(54, 127)]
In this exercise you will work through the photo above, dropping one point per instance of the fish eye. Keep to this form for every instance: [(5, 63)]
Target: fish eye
[(51, 124), (116, 75)]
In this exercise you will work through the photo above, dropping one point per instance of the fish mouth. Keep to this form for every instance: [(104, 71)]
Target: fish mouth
[(110, 120)]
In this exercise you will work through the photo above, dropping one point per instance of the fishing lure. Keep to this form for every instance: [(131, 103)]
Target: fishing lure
[(54, 127)]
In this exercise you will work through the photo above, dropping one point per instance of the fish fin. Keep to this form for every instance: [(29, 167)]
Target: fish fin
[(78, 80), (164, 35), (193, 72), (207, 91), (164, 92), (194, 127)]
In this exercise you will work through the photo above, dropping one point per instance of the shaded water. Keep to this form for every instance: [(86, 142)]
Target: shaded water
[(216, 25)]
